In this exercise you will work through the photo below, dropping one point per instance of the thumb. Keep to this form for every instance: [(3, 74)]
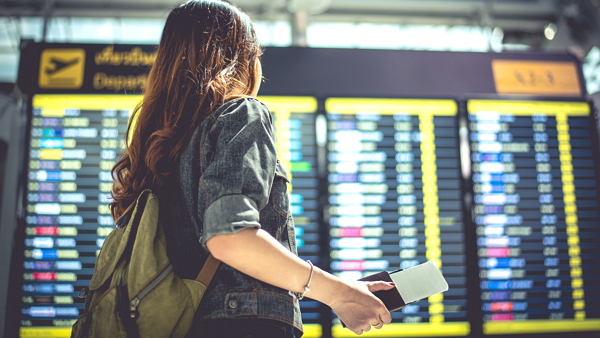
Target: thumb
[(378, 286)]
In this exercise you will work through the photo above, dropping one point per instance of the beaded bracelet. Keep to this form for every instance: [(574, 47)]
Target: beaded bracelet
[(307, 287)]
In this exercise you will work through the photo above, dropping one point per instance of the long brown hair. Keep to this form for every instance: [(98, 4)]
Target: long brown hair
[(207, 52)]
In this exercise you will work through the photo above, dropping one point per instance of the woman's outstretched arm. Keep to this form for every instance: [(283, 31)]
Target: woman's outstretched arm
[(257, 254)]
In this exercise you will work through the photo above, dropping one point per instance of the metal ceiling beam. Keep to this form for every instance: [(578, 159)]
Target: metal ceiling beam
[(506, 24), (87, 13), (160, 8), (523, 15), (47, 10), (390, 18), (535, 7)]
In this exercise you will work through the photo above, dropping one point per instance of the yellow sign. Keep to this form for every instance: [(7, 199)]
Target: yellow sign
[(536, 77), (85, 102), (310, 331), (540, 326), (528, 108), (45, 332), (296, 104), (409, 330), (390, 106), (62, 68)]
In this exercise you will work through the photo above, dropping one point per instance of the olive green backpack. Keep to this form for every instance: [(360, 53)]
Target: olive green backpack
[(134, 291)]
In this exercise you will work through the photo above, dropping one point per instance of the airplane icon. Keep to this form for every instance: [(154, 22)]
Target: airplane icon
[(59, 65), (61, 68)]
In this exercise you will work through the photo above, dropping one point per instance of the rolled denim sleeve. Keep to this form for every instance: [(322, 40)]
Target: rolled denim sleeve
[(240, 171)]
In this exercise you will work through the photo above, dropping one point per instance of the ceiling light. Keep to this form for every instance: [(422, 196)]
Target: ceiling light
[(550, 31)]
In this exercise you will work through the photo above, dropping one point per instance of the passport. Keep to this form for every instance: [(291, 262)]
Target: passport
[(412, 285)]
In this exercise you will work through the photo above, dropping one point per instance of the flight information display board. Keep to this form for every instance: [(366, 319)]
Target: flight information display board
[(537, 218), (75, 141), (395, 200)]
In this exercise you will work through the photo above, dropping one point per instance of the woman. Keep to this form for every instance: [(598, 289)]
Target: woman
[(204, 138)]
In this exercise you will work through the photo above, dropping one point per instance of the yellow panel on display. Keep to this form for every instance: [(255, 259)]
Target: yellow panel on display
[(549, 78), (296, 104), (409, 330), (540, 326), (312, 331), (390, 106), (54, 103), (528, 108), (45, 332)]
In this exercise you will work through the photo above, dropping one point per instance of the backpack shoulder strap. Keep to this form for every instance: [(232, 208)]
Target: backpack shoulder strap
[(210, 266), (208, 270)]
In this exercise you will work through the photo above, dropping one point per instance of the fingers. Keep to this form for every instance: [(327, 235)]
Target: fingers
[(378, 325), (358, 332), (361, 330), (378, 286), (367, 326), (385, 316), (369, 311)]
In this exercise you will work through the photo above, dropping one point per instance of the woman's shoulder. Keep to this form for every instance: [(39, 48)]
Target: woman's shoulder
[(243, 108)]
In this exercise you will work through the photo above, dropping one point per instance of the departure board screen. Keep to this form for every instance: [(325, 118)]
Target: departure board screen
[(396, 201), (75, 141), (536, 212)]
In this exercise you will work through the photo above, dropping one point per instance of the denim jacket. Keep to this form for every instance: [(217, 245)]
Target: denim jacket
[(229, 179)]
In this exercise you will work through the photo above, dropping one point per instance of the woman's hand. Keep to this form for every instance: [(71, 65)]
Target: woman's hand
[(358, 308)]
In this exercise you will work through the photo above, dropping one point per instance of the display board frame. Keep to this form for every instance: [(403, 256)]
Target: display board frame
[(325, 73), (425, 329), (593, 123)]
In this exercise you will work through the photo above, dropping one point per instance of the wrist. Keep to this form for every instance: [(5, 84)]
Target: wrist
[(337, 295), (300, 295), (335, 291)]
